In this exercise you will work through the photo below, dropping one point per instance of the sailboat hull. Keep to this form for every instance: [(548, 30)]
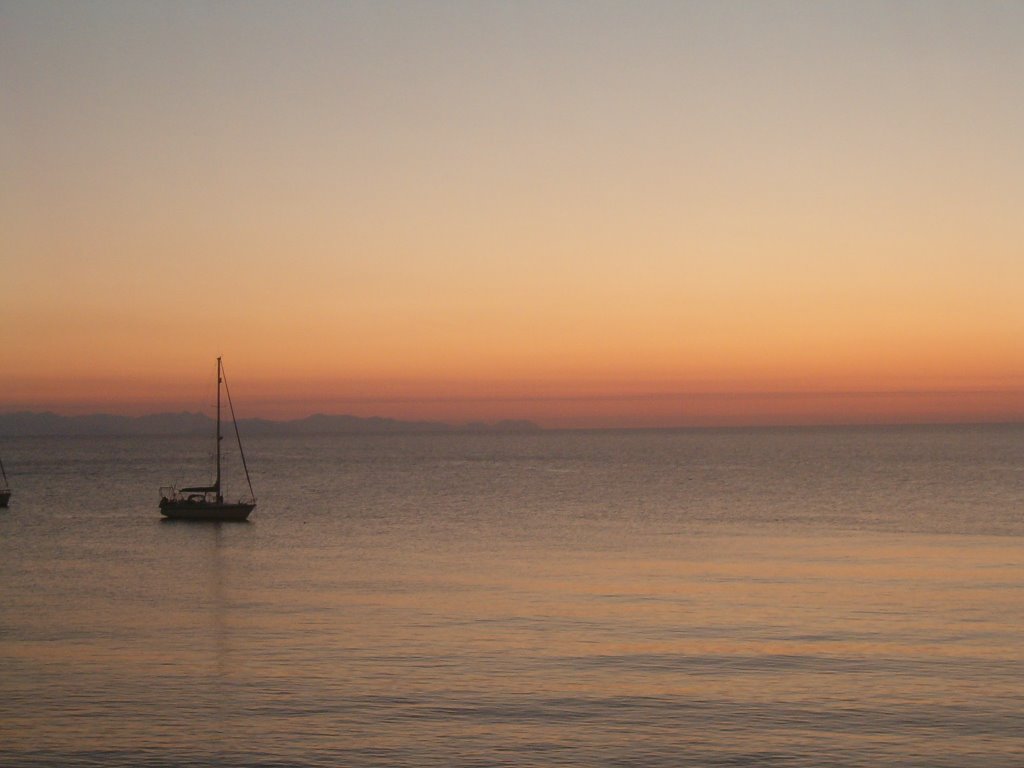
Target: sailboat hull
[(206, 511)]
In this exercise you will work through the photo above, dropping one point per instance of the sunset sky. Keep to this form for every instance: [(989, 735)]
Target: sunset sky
[(583, 213)]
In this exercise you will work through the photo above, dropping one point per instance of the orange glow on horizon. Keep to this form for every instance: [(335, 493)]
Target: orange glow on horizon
[(556, 404)]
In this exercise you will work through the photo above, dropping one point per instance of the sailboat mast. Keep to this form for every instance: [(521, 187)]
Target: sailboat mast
[(217, 484)]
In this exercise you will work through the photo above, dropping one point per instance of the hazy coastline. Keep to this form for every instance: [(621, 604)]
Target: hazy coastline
[(49, 424)]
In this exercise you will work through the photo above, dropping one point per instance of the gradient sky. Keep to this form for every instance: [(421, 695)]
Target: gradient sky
[(586, 213)]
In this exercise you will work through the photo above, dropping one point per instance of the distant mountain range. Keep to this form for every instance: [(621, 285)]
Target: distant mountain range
[(25, 424)]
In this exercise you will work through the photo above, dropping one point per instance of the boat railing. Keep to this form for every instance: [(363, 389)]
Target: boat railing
[(173, 493)]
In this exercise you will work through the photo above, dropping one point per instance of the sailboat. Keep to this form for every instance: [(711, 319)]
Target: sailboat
[(5, 489), (206, 502)]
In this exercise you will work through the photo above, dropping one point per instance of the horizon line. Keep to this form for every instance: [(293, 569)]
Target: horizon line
[(820, 424)]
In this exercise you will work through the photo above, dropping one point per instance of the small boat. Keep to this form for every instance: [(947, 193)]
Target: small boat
[(206, 502), (5, 489)]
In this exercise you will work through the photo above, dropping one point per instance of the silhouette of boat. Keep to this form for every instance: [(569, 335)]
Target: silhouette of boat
[(5, 489), (206, 502)]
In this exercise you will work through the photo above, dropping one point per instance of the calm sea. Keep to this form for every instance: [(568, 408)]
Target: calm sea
[(833, 597)]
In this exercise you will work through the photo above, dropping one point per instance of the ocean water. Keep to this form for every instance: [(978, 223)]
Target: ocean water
[(829, 597)]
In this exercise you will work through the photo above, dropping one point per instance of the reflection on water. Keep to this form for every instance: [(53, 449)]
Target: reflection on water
[(620, 599), (220, 629)]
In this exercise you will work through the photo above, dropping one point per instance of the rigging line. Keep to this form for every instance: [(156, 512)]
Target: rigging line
[(237, 436)]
